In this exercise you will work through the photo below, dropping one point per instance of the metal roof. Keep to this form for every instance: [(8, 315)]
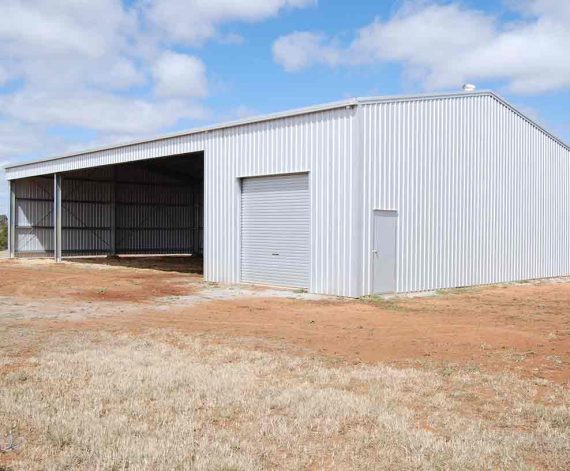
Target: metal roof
[(351, 102)]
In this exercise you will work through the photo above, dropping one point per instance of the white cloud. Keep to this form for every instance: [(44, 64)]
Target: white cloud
[(74, 59), (298, 50), (57, 44), (3, 76), (231, 38), (60, 28), (17, 138), (99, 111), (107, 66), (444, 45), (193, 21), (180, 75), (557, 8)]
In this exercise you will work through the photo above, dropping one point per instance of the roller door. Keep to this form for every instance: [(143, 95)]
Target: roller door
[(275, 230)]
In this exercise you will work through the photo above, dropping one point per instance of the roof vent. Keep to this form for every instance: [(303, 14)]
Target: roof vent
[(469, 87)]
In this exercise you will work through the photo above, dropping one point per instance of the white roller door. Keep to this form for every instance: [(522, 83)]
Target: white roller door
[(275, 230)]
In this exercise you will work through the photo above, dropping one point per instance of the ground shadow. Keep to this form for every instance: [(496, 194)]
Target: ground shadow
[(181, 264)]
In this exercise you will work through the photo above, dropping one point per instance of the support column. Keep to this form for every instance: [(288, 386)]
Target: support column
[(12, 220), (195, 218), (113, 216), (57, 242)]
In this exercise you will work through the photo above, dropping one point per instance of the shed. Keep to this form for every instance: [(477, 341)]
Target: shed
[(362, 196)]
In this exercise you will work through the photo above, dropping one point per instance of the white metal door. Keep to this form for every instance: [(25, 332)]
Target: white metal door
[(275, 230), (384, 251)]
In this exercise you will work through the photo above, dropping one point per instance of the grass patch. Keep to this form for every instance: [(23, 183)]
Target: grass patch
[(96, 401), (389, 304), (460, 290)]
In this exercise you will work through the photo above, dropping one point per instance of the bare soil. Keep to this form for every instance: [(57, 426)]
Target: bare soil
[(138, 363), (88, 279), (523, 328)]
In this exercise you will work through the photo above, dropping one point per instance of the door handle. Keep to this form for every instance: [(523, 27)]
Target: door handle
[(375, 252)]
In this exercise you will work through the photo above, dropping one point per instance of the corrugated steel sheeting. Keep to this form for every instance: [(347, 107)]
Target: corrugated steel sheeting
[(153, 214), (321, 143), (483, 195), (86, 213), (156, 214), (179, 143), (34, 216)]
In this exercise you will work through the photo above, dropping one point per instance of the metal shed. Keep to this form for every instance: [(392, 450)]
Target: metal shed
[(362, 196)]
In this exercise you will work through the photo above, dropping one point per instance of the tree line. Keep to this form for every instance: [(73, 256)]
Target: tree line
[(3, 232)]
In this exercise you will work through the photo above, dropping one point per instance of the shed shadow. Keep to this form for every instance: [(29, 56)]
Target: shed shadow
[(179, 263)]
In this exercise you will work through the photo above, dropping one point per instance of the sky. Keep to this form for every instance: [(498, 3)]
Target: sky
[(76, 74)]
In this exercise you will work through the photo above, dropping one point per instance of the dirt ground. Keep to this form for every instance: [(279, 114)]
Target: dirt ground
[(524, 328), (89, 279), (100, 357)]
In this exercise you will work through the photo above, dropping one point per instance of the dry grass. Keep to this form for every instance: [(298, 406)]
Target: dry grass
[(160, 382), (94, 401)]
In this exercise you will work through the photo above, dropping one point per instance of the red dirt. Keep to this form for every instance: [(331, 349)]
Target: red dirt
[(519, 328), (42, 279), (460, 329)]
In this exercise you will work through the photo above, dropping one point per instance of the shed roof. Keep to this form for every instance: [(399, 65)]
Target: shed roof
[(351, 102)]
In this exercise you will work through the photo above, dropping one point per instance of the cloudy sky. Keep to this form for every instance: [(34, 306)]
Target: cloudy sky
[(80, 73)]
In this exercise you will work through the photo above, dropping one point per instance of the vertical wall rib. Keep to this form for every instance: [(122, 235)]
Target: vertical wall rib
[(320, 143), (483, 195)]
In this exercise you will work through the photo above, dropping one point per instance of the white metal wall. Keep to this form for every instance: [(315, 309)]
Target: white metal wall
[(34, 216), (483, 195), (86, 212), (117, 155), (152, 213), (320, 143), (156, 213)]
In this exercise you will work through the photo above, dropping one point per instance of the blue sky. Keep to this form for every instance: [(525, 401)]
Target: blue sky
[(76, 74)]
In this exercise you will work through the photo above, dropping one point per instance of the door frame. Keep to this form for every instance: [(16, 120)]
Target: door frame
[(395, 213)]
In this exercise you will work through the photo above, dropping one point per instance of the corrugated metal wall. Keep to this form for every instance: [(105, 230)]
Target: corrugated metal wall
[(151, 213), (156, 214), (320, 143), (483, 195), (86, 199), (118, 155), (34, 216)]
